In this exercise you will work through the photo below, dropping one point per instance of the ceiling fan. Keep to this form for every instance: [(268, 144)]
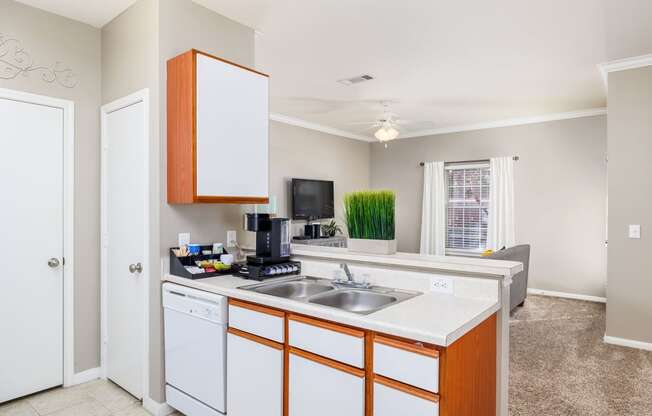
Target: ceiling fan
[(387, 126)]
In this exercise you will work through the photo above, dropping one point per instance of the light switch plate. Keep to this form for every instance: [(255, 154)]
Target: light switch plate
[(184, 239), (634, 231), (231, 238), (441, 284)]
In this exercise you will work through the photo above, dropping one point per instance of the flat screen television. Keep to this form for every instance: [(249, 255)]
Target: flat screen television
[(312, 199)]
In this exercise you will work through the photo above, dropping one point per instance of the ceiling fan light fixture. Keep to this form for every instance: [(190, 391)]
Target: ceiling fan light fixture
[(386, 133)]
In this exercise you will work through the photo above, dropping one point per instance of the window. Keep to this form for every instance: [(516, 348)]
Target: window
[(468, 207)]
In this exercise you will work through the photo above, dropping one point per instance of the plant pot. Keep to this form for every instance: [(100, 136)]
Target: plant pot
[(372, 246)]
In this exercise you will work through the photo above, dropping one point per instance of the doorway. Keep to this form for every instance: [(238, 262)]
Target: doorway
[(36, 300), (125, 242)]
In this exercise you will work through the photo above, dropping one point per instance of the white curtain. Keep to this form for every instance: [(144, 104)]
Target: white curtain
[(433, 214), (501, 203)]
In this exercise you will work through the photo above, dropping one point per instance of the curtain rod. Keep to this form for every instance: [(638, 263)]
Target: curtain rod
[(515, 158)]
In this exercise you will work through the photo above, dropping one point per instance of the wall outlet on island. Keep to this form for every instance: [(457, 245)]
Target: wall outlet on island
[(441, 284)]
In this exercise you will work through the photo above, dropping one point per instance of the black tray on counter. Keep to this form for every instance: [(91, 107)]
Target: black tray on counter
[(178, 264)]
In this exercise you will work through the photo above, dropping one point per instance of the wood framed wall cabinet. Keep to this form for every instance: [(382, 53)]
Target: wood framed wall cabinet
[(217, 131)]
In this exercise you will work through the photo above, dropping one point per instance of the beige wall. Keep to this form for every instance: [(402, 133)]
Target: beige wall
[(629, 28), (129, 64), (296, 152), (560, 186), (184, 25), (49, 38), (629, 309), (145, 37)]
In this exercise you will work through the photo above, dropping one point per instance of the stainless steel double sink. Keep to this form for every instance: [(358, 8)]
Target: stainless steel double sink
[(327, 293)]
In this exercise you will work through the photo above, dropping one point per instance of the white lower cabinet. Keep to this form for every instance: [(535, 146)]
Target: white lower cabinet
[(254, 377), (317, 389), (392, 402)]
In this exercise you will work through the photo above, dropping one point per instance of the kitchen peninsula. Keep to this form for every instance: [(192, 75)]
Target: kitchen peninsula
[(428, 353)]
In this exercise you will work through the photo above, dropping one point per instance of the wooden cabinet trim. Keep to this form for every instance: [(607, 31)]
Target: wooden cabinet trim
[(255, 338), (468, 373), (180, 128), (256, 307), (369, 373), (195, 52), (194, 125), (358, 333), (286, 370), (406, 388), (411, 346), (327, 362)]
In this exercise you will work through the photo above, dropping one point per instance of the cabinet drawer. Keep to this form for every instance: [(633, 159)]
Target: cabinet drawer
[(258, 320), (329, 340), (408, 362), (322, 387), (391, 399)]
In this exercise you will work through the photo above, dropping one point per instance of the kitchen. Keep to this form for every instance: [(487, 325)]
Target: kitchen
[(158, 160), (230, 219), (311, 321)]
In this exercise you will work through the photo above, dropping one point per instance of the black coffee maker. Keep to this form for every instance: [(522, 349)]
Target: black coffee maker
[(272, 238), (272, 257)]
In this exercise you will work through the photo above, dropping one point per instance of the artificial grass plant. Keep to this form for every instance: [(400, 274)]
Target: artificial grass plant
[(370, 214)]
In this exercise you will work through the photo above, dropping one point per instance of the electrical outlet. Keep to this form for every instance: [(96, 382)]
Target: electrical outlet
[(441, 284), (184, 239), (634, 231), (231, 238)]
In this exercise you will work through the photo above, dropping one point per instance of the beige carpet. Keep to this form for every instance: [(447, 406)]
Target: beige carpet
[(560, 366)]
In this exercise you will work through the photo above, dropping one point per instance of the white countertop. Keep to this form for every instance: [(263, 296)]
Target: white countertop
[(448, 264), (434, 318)]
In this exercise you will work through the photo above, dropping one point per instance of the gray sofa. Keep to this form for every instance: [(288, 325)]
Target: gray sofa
[(518, 290)]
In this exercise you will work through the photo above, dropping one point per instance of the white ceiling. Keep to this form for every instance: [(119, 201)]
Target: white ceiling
[(441, 63), (93, 12)]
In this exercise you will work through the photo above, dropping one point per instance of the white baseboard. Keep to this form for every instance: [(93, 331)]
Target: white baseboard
[(86, 376), (566, 295), (628, 343), (155, 408)]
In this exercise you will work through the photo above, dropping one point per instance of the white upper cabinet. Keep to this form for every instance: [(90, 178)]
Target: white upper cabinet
[(218, 131)]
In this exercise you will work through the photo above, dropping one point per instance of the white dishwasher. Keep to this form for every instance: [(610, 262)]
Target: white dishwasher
[(195, 350)]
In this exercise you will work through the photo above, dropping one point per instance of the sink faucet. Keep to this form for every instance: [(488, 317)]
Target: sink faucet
[(349, 282), (348, 273)]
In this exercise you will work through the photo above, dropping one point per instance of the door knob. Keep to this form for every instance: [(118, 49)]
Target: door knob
[(53, 262), (136, 268)]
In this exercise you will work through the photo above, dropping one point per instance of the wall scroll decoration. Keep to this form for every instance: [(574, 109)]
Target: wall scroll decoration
[(15, 61)]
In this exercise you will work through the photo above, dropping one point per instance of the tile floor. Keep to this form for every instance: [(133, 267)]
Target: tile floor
[(95, 398)]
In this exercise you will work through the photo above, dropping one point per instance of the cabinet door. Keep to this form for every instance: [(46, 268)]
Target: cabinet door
[(391, 399), (232, 130), (318, 389), (254, 376)]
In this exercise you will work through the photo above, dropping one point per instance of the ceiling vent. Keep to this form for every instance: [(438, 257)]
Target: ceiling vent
[(356, 80)]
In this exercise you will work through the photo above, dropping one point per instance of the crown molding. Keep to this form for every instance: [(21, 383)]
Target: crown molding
[(623, 65), (508, 123), (444, 130), (318, 127)]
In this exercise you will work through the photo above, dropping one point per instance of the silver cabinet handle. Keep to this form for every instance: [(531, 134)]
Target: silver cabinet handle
[(136, 268), (53, 262)]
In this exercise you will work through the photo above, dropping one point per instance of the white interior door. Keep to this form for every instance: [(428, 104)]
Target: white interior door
[(124, 199), (31, 207)]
